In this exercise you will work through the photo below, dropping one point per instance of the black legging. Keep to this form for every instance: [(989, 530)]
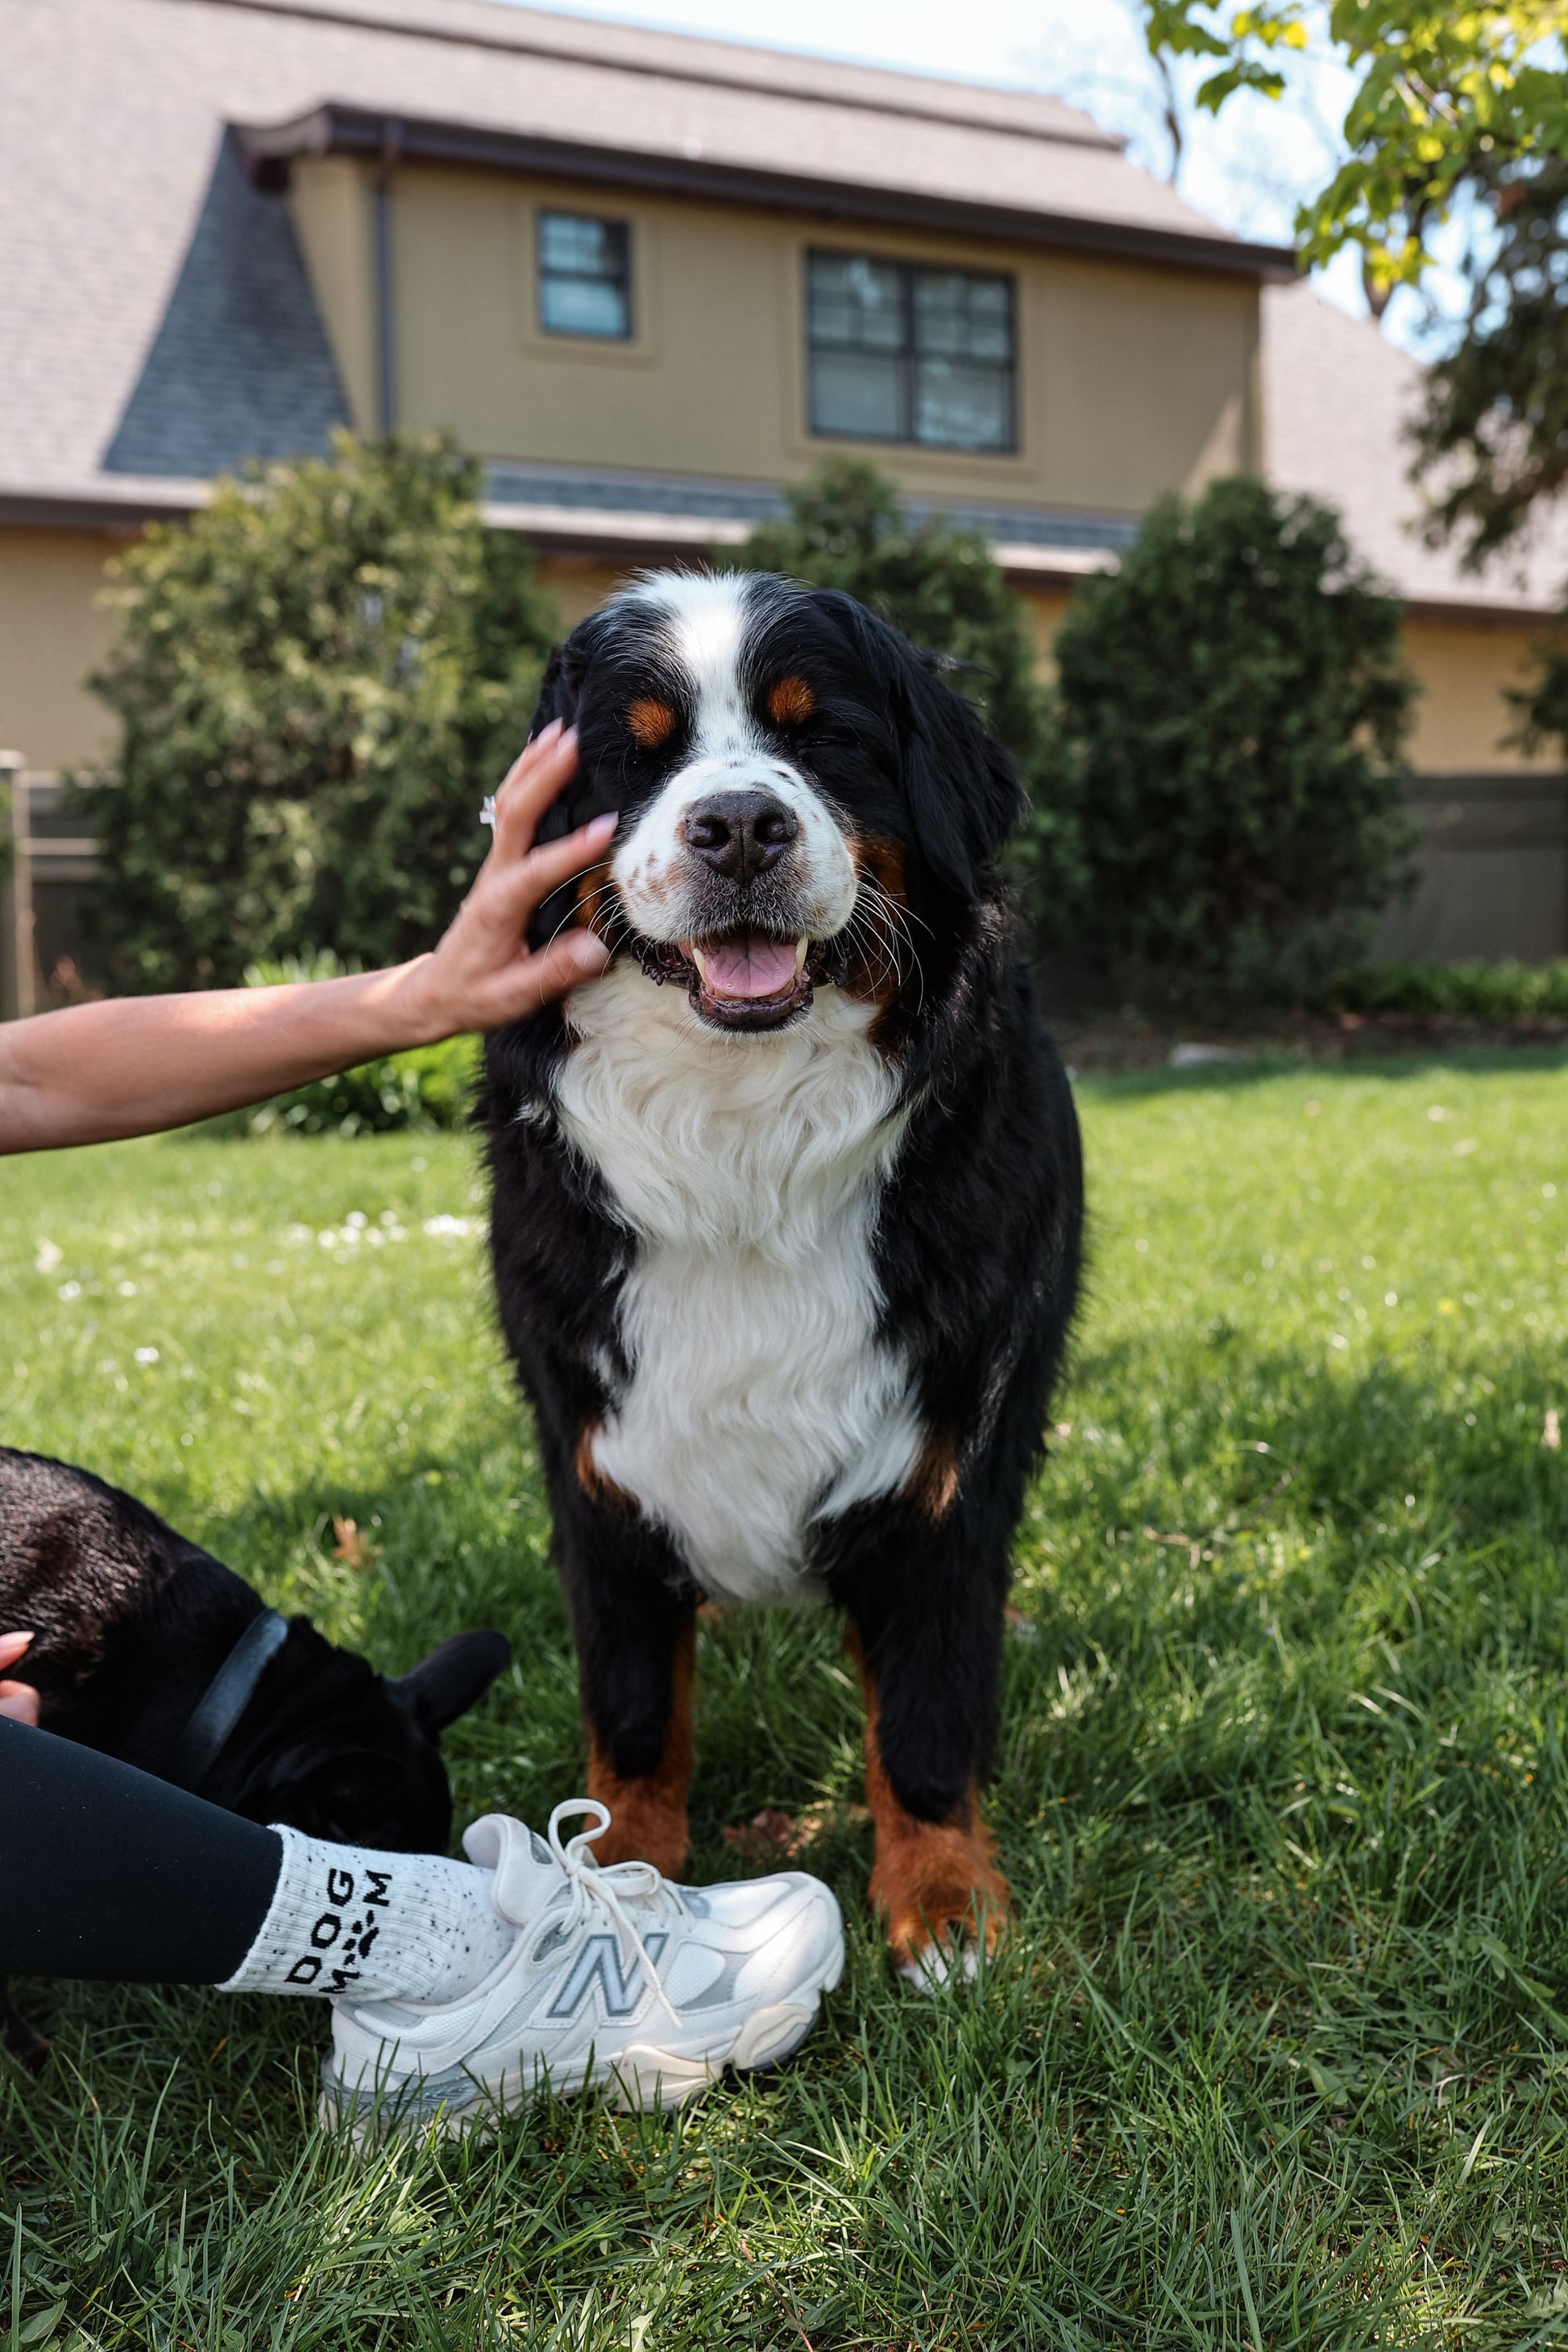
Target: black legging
[(107, 1872)]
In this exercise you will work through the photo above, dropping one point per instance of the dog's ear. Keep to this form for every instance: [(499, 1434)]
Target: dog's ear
[(557, 699), (557, 693), (964, 793), (960, 788), (449, 1681)]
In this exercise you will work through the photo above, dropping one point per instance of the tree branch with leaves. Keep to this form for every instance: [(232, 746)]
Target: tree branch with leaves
[(1453, 107)]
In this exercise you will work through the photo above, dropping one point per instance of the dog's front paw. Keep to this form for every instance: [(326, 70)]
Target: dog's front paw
[(940, 1894), (647, 1821)]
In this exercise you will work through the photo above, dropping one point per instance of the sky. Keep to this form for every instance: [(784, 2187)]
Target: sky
[(1249, 170)]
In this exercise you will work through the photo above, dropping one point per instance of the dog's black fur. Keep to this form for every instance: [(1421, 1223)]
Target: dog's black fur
[(131, 1621), (978, 1237)]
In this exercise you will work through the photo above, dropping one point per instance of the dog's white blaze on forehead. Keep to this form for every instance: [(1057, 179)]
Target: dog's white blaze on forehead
[(761, 1400), (705, 619)]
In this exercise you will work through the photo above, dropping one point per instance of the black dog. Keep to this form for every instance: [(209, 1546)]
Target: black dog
[(788, 1203), (133, 1626), (149, 1649)]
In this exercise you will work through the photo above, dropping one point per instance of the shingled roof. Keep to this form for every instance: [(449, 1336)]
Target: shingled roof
[(1338, 398), (118, 204), (160, 325)]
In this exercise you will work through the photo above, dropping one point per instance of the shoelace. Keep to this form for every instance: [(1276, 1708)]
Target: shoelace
[(593, 1886)]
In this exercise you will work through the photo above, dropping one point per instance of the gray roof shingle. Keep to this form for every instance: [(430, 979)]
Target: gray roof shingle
[(240, 366)]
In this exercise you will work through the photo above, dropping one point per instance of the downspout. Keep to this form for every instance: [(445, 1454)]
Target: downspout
[(386, 312)]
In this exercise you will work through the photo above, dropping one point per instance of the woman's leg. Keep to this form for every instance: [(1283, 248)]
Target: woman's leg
[(107, 1872)]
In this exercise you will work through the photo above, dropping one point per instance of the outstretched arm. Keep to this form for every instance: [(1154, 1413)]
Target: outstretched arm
[(96, 1072)]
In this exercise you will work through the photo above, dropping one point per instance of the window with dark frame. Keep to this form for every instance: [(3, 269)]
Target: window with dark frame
[(584, 276), (898, 350)]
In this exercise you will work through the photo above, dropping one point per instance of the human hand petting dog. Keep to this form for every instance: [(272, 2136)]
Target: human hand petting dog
[(18, 1701), (96, 1072), (483, 973)]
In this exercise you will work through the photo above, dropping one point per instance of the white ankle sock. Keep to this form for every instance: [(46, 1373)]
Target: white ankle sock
[(380, 1927)]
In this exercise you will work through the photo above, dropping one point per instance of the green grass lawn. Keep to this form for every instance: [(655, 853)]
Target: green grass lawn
[(1277, 2052)]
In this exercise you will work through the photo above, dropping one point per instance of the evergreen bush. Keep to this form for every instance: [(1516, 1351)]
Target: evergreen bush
[(1233, 700), (1467, 990), (317, 679)]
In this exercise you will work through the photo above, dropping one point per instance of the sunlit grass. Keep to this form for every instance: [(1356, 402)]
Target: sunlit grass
[(1279, 2051)]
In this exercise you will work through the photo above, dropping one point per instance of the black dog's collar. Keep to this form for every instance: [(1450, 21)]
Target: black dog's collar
[(225, 1698)]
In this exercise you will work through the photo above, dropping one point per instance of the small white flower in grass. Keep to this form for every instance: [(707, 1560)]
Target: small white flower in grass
[(297, 1233), (128, 1290), (1549, 1192), (1436, 1112), (329, 1239), (356, 1219), (146, 1355), (49, 1257), (451, 1228), (1337, 1339), (70, 1290)]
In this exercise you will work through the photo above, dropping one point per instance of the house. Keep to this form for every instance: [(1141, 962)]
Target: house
[(652, 279)]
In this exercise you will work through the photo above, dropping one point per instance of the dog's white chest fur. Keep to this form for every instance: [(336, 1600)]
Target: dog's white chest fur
[(750, 1169)]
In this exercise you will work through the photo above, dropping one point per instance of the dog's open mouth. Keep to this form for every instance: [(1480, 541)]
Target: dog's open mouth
[(744, 979)]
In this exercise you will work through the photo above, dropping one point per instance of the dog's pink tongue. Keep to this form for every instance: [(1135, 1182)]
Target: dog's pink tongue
[(750, 965)]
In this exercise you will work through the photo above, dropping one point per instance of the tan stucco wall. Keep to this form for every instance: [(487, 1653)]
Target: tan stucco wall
[(1461, 718), (330, 201), (1130, 380), (580, 583), (52, 632)]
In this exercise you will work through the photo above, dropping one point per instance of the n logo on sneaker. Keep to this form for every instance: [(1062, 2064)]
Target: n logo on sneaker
[(599, 1962)]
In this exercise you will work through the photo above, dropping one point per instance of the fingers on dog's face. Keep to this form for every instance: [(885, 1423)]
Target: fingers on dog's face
[(536, 778)]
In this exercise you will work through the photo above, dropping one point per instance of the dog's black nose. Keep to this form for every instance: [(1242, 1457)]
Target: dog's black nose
[(740, 834)]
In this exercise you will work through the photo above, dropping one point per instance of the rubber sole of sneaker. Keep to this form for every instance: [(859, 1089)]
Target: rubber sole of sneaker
[(639, 2077)]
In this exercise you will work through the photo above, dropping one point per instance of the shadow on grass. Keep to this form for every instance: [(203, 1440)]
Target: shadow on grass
[(1283, 2009)]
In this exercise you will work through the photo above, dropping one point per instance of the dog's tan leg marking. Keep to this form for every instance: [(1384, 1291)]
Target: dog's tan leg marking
[(591, 1478), (932, 1485), (929, 1878), (648, 1814)]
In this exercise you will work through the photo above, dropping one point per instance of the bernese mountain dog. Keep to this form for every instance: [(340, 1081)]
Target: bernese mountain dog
[(786, 1202)]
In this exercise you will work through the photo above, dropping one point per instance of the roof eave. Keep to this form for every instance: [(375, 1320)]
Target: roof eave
[(340, 130)]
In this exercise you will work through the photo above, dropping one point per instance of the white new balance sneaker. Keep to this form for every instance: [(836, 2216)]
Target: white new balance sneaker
[(617, 1977)]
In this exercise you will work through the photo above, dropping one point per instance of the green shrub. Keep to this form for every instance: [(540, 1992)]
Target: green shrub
[(317, 679), (1457, 991), (1235, 701), (429, 1087), (847, 528)]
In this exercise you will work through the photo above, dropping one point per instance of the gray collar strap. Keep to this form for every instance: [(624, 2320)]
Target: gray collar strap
[(225, 1698)]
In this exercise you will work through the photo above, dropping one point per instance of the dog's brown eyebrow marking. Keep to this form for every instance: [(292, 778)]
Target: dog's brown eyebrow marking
[(649, 720), (791, 702)]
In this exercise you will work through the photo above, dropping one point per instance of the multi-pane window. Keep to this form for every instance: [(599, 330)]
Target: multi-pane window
[(899, 353), (584, 276)]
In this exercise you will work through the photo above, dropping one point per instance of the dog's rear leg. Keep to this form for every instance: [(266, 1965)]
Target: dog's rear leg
[(927, 1661), (636, 1639)]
